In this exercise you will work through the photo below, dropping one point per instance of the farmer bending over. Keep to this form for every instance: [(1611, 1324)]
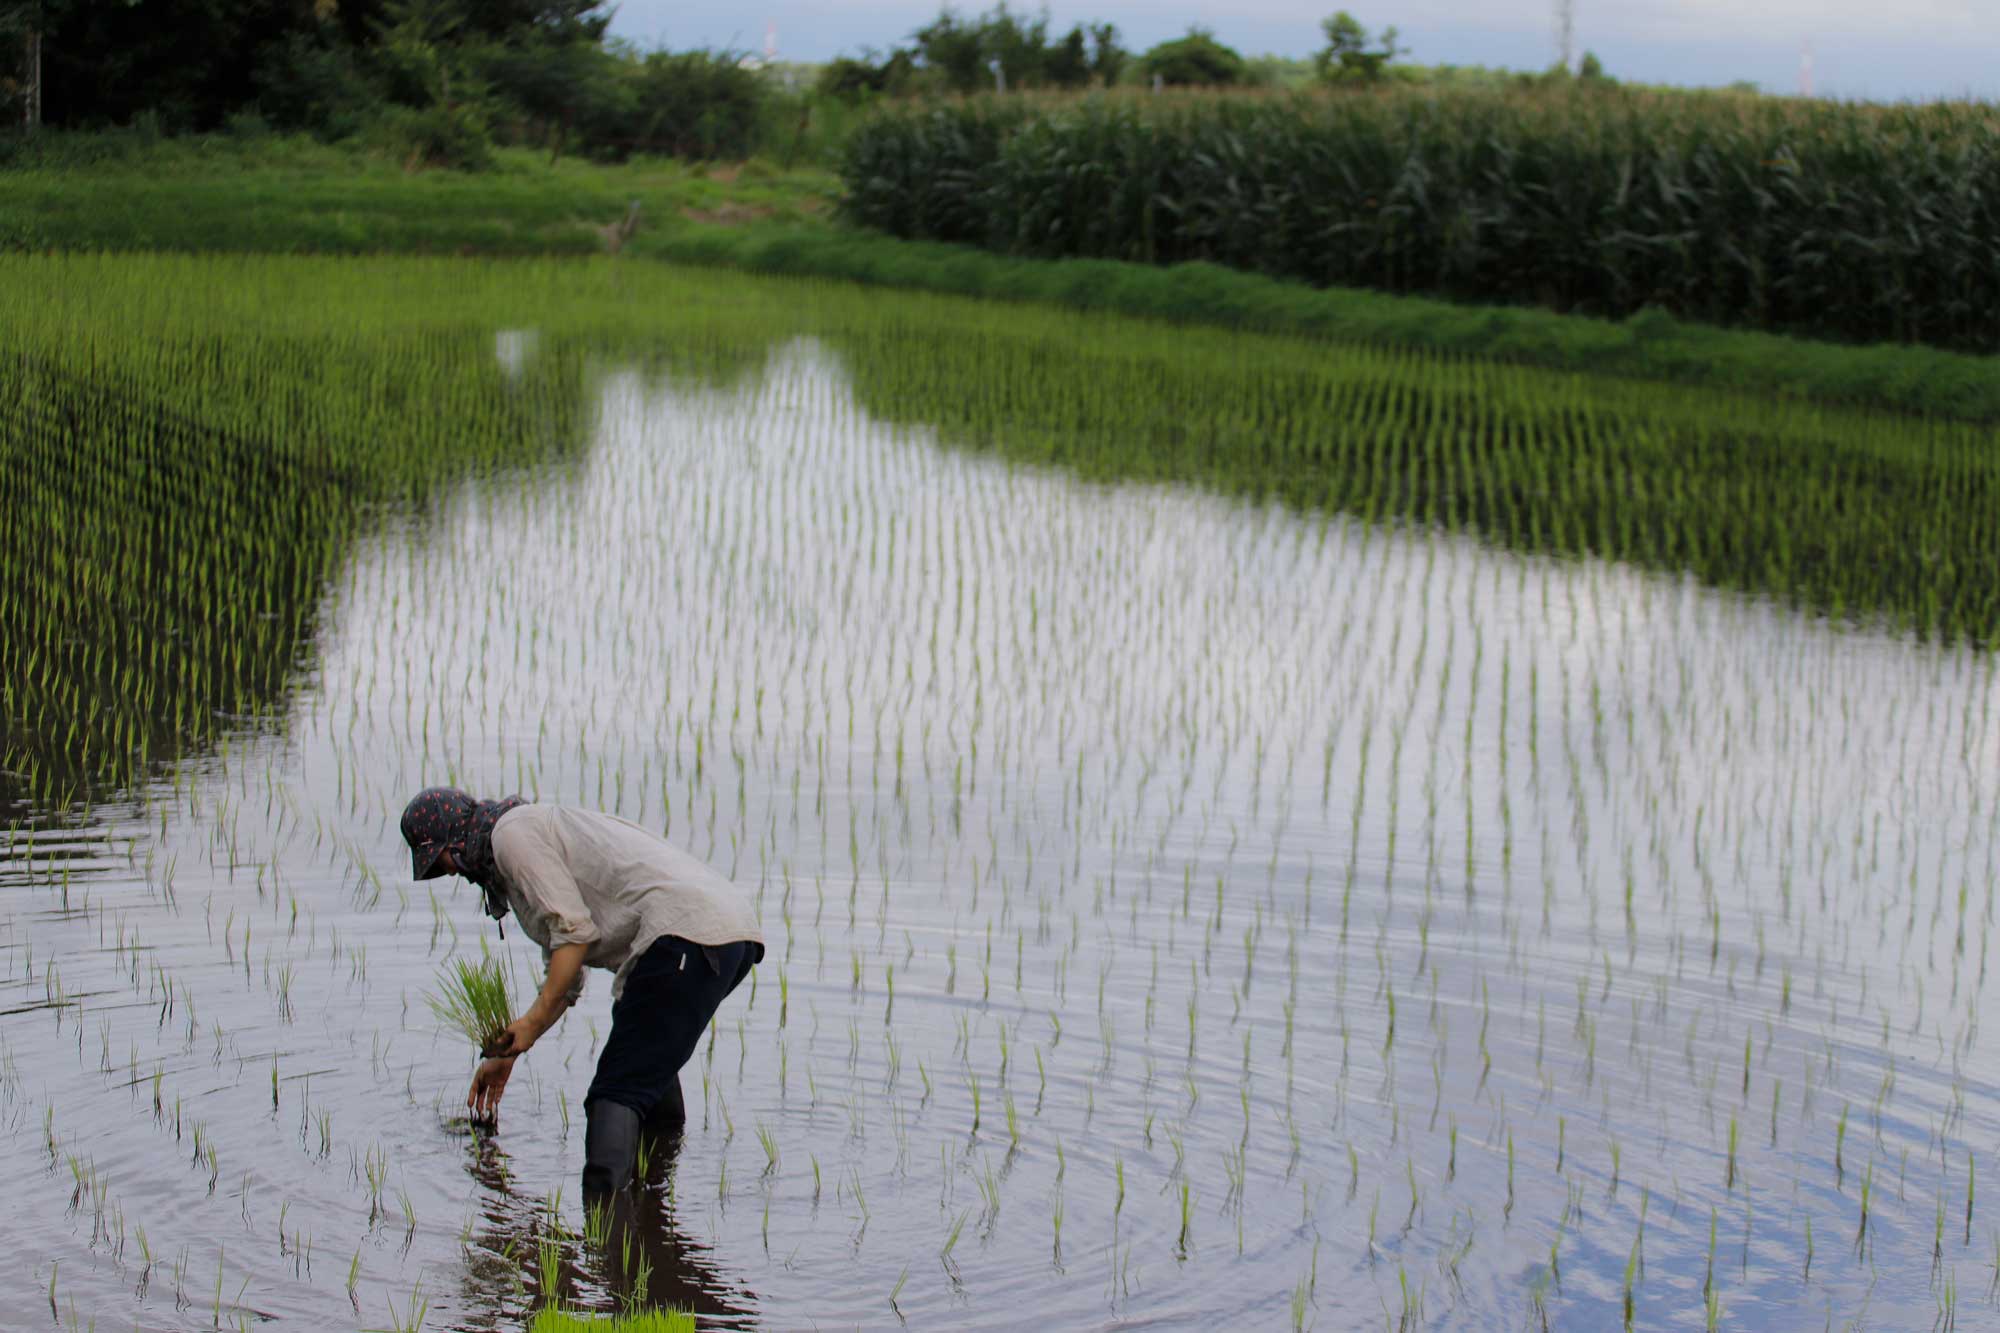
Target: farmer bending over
[(594, 889)]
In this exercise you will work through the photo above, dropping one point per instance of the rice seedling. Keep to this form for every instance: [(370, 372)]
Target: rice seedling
[(770, 1146), (1187, 1210), (951, 1240), (1839, 1145), (1867, 1188), (1708, 1271)]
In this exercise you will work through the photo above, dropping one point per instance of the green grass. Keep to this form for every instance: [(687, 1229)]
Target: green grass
[(285, 195), (653, 1321), (278, 195)]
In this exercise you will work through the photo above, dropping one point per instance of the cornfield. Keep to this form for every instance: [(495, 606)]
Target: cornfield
[(1826, 220)]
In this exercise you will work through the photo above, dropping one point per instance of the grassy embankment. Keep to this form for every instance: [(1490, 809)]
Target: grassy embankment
[(287, 196)]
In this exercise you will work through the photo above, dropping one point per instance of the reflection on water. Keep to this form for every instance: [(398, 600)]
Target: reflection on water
[(157, 582), (665, 1266), (636, 1255), (1180, 910)]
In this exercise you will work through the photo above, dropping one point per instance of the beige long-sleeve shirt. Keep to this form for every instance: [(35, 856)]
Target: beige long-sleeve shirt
[(580, 877)]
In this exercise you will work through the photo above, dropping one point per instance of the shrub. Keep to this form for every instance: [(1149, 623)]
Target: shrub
[(1196, 60), (306, 83), (699, 104), (435, 136)]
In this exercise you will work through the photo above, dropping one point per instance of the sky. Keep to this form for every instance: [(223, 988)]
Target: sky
[(1917, 50)]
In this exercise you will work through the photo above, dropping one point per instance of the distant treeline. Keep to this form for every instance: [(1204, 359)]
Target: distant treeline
[(1845, 222), (1002, 51), (439, 81)]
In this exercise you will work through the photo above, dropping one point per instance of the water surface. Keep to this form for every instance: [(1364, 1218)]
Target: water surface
[(1424, 915)]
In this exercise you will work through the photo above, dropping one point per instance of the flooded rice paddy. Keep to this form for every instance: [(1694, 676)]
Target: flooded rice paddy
[(1182, 912)]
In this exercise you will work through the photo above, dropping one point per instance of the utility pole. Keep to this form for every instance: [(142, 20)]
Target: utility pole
[(1566, 33), (1806, 69), (31, 70)]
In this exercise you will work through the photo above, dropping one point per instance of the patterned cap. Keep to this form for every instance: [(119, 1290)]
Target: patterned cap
[(433, 822)]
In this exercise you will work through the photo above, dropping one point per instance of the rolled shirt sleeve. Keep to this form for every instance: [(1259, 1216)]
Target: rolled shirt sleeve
[(575, 991), (535, 866)]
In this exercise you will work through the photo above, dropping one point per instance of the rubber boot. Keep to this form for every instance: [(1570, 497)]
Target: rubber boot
[(610, 1145)]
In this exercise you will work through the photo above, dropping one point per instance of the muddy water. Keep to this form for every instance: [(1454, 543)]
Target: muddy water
[(1205, 913)]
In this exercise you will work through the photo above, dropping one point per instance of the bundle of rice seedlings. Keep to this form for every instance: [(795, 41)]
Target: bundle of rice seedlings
[(476, 1000)]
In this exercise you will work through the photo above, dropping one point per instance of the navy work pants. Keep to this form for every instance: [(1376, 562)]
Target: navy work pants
[(670, 995)]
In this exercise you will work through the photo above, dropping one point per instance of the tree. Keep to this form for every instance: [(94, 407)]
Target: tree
[(851, 78), (187, 61), (194, 63), (1067, 64), (21, 35), (698, 104), (416, 47), (1020, 48), (953, 49), (1346, 58), (959, 55), (562, 85), (564, 20), (1196, 60), (1107, 58), (316, 81)]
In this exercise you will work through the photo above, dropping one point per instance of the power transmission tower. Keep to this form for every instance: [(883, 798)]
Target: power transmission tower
[(1566, 32)]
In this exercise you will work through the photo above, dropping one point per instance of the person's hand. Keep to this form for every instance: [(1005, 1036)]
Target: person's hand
[(516, 1037), (488, 1082)]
